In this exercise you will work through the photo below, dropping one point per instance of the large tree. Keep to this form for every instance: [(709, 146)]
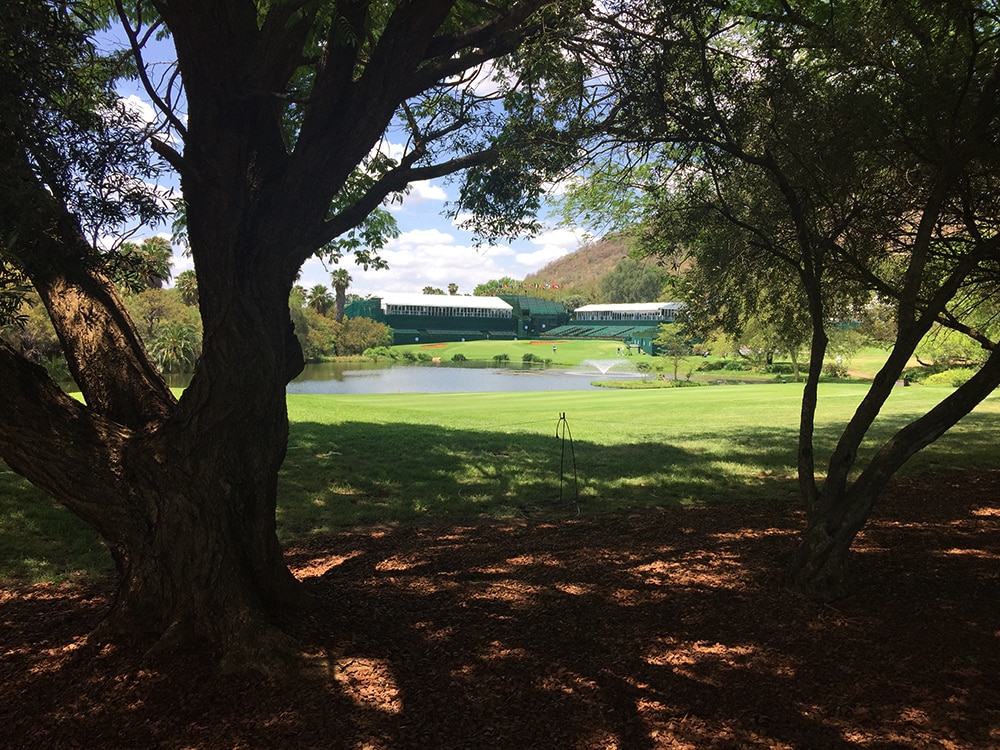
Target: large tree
[(276, 123), (852, 147)]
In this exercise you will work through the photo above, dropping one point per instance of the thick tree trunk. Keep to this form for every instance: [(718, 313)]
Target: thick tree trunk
[(207, 564), (185, 501)]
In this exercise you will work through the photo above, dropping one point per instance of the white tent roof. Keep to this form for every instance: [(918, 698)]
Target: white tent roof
[(443, 300), (636, 307)]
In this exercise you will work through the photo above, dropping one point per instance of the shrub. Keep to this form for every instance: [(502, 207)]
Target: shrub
[(409, 356), (951, 378), (357, 335), (529, 357), (458, 357), (778, 368), (920, 373), (377, 352), (718, 364), (424, 357), (737, 365), (501, 357), (835, 369)]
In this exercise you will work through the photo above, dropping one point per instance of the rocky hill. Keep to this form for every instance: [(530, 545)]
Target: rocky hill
[(583, 269)]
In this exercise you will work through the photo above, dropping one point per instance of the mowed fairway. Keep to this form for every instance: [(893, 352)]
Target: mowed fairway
[(384, 458), (567, 352)]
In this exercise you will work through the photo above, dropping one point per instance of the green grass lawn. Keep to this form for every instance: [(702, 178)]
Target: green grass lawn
[(569, 352), (361, 459)]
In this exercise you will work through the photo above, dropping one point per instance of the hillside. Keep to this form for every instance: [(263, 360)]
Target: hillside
[(583, 268)]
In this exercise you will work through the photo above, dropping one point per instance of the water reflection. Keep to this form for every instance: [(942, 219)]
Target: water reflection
[(359, 377), (471, 377)]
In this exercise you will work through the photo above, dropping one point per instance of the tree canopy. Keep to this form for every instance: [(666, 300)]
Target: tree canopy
[(632, 281)]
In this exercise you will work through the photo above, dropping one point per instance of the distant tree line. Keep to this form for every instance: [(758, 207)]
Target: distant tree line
[(321, 335)]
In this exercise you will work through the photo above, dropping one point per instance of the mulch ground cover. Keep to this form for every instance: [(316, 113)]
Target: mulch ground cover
[(666, 629)]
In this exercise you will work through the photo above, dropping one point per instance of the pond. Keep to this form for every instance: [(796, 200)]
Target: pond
[(357, 377)]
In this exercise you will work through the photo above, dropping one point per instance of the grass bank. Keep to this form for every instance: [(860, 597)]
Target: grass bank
[(364, 459), (569, 352)]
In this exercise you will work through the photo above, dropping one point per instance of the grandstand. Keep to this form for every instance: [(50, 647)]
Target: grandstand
[(635, 325), (536, 316), (436, 318), (640, 313)]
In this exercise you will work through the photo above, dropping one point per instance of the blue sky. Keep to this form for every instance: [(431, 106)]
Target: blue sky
[(432, 251)]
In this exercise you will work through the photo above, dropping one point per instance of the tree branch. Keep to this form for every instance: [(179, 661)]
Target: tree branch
[(105, 355), (43, 426), (147, 85), (447, 46), (393, 181)]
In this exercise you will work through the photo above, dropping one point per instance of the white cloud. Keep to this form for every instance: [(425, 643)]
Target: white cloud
[(142, 109), (420, 193), (481, 81), (180, 262), (437, 254), (427, 192), (393, 150), (419, 258), (551, 245), (422, 237), (562, 186)]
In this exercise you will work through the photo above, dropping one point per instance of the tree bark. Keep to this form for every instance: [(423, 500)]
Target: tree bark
[(103, 350), (341, 301), (186, 505)]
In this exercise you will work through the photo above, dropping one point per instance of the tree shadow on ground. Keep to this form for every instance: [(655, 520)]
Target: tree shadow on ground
[(340, 476), (665, 628), (351, 473), (355, 473)]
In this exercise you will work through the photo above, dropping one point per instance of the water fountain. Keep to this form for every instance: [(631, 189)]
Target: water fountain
[(604, 366)]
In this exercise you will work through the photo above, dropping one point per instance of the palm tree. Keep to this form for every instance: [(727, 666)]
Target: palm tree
[(155, 256), (175, 347), (319, 299), (453, 289), (187, 285), (341, 280)]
